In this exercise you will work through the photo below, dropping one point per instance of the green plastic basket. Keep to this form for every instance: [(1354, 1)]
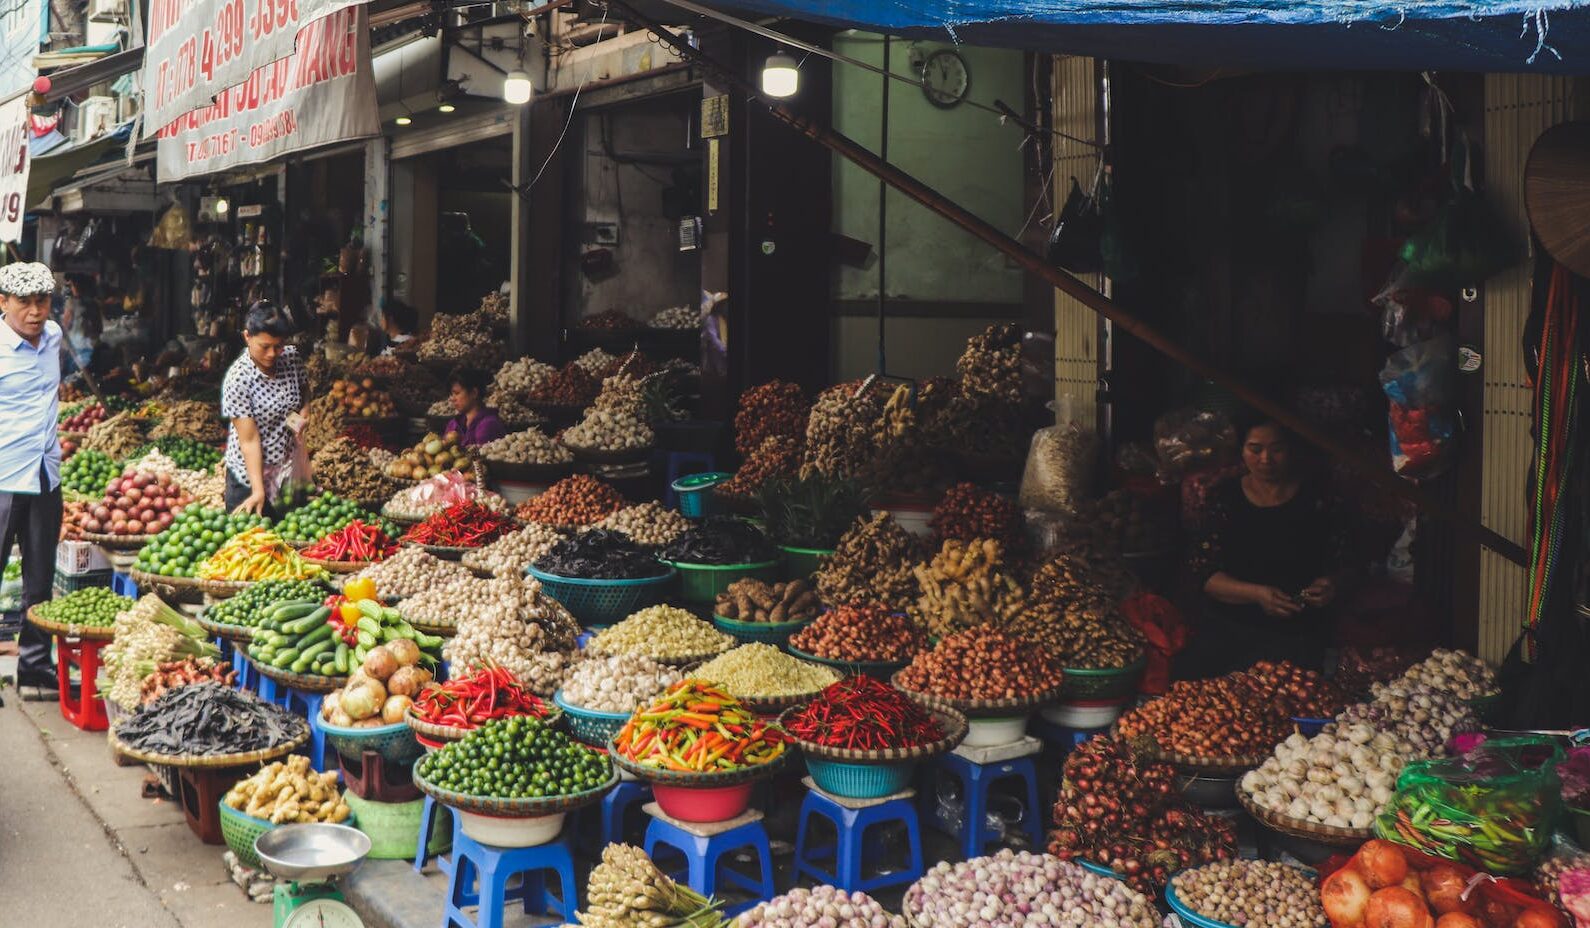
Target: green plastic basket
[(604, 602), (775, 633), (1112, 683), (695, 495), (394, 828), (700, 584), (395, 743), (239, 832), (860, 781), (593, 728), (800, 563)]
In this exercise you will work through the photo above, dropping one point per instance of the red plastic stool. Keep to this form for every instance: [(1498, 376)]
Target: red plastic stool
[(199, 791), (371, 777), (85, 708)]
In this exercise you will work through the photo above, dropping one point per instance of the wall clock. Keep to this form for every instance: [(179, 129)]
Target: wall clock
[(945, 78)]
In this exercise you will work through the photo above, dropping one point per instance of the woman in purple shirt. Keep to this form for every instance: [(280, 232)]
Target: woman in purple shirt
[(475, 424)]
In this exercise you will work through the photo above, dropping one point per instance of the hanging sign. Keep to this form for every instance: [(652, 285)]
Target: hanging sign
[(324, 93), (15, 131), (198, 48)]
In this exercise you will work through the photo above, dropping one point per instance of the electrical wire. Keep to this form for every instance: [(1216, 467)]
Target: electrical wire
[(573, 108)]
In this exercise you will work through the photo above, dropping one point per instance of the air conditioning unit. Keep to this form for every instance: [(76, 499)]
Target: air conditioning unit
[(96, 116), (113, 12)]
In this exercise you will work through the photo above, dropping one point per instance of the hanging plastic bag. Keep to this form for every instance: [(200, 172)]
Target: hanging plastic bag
[(1191, 440), (1074, 242), (1060, 463), (1421, 383)]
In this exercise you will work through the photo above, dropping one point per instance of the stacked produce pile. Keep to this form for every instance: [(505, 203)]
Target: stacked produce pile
[(91, 607), (343, 468), (661, 633), (353, 543), (249, 607), (440, 607), (476, 697), (256, 554), (720, 540), (610, 431), (187, 672), (820, 905), (982, 663), (513, 552), (873, 563), (184, 453), (149, 633), (1239, 715), (776, 456), (524, 631), (1251, 892), (88, 473), (194, 535), (967, 584), (910, 450), (362, 400), (595, 362), (516, 758), (461, 525), (573, 385), (326, 421), (516, 412), (864, 634), (288, 792), (518, 378), (192, 420), (621, 395), (436, 494), (1120, 522), (1071, 611), (649, 524), (530, 446), (412, 571), (324, 514), (752, 600), (990, 367), (466, 339), (382, 688), (860, 713), (696, 726), (206, 487), (762, 671), (598, 554), (675, 318), (776, 408), (968, 512), (434, 454), (1115, 811), (1456, 672), (208, 721), (1388, 885), (617, 682), (609, 320), (1416, 712), (335, 639), (81, 417), (136, 504), (840, 438), (628, 891), (573, 502), (1019, 889)]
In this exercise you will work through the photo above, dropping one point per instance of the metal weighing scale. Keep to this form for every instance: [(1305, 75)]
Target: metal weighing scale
[(307, 859)]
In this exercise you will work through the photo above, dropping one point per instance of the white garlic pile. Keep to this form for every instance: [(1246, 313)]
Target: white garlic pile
[(1340, 777), (522, 629), (1457, 672), (531, 446), (617, 682), (1416, 712), (520, 376), (621, 395), (443, 407), (650, 524), (595, 361), (412, 571), (440, 606), (509, 555), (607, 431), (675, 317)]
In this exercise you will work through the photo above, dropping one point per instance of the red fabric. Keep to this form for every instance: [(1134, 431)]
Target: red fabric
[(1161, 624)]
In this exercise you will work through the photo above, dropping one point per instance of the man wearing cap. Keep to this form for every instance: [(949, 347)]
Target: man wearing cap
[(30, 451)]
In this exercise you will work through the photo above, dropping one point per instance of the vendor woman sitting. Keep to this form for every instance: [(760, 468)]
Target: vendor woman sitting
[(475, 424), (1268, 565)]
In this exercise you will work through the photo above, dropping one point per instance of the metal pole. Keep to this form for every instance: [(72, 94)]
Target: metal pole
[(883, 219)]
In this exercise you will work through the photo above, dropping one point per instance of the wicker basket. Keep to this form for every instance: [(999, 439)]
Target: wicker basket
[(528, 473), (443, 552), (307, 682), (1308, 831), (983, 708), (698, 780), (262, 756), (240, 633), (878, 670), (81, 632), (115, 542), (433, 731), (953, 723), (224, 589), (605, 456), (171, 589), (603, 602), (338, 567), (512, 808)]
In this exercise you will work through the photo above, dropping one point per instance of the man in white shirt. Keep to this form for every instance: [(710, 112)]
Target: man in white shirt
[(30, 450)]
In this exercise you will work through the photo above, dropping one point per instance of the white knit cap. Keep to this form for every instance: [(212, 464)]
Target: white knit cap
[(26, 278)]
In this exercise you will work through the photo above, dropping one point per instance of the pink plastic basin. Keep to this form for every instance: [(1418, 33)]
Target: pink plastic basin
[(695, 804)]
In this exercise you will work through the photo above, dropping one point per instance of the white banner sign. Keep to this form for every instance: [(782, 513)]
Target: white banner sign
[(324, 93), (20, 35), (198, 48), (16, 128)]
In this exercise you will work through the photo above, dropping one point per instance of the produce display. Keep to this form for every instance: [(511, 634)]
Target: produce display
[(1456, 672), (185, 453), (324, 514), (90, 607), (119, 436), (426, 499), (516, 758), (458, 340), (332, 639), (965, 585), (982, 663), (461, 525), (475, 698), (520, 376), (573, 501), (343, 468), (840, 438), (362, 400), (89, 473), (661, 633), (1257, 893), (872, 564), (525, 631), (149, 633), (256, 554), (599, 554), (968, 512), (990, 366), (609, 431), (208, 721), (864, 714), (136, 504), (354, 542), (1386, 885), (777, 456), (762, 671), (1019, 889), (696, 726), (570, 386), (752, 600), (861, 633), (1115, 810), (820, 905), (248, 608), (288, 792), (1340, 777), (382, 687), (531, 446), (617, 682), (433, 455), (773, 409), (513, 552), (412, 571), (83, 418), (193, 536), (720, 540), (186, 672), (190, 419), (439, 607), (1071, 610), (651, 525), (628, 891), (1414, 712), (681, 318)]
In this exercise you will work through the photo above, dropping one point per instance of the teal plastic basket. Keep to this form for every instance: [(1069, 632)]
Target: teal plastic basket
[(860, 781), (1096, 684), (694, 492), (774, 633), (800, 563), (700, 584), (395, 743), (239, 831), (604, 602), (593, 728)]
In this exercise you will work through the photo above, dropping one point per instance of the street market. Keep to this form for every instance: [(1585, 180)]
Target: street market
[(636, 465)]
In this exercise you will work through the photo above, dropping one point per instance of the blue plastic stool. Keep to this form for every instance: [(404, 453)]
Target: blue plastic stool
[(615, 807), (269, 690), (248, 677), (480, 876), (1064, 739), (850, 847), (122, 585), (307, 706), (428, 812), (704, 857), (683, 464), (977, 781)]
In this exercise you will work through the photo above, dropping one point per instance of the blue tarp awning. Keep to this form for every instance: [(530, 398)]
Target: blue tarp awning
[(1539, 36)]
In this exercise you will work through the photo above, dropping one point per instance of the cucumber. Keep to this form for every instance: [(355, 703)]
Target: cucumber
[(428, 642), (341, 657), (283, 659), (373, 626), (367, 640), (370, 609), (308, 622), (323, 633)]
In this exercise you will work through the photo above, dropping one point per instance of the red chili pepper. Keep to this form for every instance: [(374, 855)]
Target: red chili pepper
[(863, 713)]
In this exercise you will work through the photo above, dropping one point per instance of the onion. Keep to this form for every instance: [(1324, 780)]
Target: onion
[(1443, 887), (1345, 896), (1395, 907), (1382, 863), (1457, 920), (379, 664), (404, 651), (393, 709), (359, 702)]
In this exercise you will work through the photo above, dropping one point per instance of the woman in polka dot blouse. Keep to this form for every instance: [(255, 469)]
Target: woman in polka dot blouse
[(263, 396)]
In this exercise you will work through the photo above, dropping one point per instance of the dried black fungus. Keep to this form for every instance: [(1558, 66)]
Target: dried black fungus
[(209, 719)]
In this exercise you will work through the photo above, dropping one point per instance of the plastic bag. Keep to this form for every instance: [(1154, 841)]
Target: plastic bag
[(1562, 858), (1439, 885), (1494, 808), (1421, 383), (1060, 466), (1074, 243), (1189, 440)]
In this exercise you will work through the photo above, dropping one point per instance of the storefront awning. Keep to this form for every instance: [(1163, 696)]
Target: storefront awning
[(1541, 36), (49, 172)]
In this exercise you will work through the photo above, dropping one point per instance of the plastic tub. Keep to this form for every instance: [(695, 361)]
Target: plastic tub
[(703, 804), (774, 633), (590, 727), (987, 733), (1088, 716), (500, 831), (860, 781), (800, 563), (1083, 683), (603, 602), (700, 584), (695, 495), (239, 831), (395, 743)]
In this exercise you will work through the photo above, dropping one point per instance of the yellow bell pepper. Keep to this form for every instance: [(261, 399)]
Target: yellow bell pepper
[(359, 588)]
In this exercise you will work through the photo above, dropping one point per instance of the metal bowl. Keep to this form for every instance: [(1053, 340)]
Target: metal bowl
[(312, 853)]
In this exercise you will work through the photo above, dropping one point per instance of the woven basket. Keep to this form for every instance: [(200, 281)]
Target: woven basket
[(395, 743), (171, 589), (262, 756), (115, 542), (82, 632), (1086, 683), (953, 723), (878, 670), (605, 456), (983, 708), (1308, 831), (223, 589), (444, 552), (774, 633), (603, 602), (694, 780), (441, 631), (338, 567), (591, 727), (398, 516), (241, 633), (512, 808), (776, 705), (307, 682)]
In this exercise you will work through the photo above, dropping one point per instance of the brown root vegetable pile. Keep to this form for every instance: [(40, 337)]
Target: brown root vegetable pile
[(839, 432), (861, 633), (872, 563), (775, 408), (573, 501), (344, 468), (964, 585), (990, 367), (752, 600)]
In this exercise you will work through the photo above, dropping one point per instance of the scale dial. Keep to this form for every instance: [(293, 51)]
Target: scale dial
[(945, 78), (323, 913)]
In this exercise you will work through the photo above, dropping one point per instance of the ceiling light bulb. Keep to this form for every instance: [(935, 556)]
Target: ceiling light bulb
[(516, 87), (221, 206), (403, 120), (781, 75), (446, 108)]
